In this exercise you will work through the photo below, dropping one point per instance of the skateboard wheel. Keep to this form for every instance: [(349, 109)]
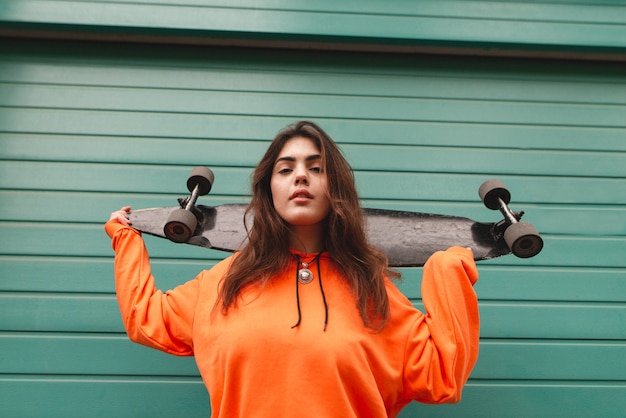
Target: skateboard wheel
[(491, 190), (180, 226), (203, 177), (523, 240)]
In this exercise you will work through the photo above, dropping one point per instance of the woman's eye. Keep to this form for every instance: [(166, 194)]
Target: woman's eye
[(316, 169), (284, 171)]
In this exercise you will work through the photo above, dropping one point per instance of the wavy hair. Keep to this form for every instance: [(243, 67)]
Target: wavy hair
[(267, 252)]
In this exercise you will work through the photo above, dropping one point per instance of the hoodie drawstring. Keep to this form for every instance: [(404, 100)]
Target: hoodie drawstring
[(298, 278)]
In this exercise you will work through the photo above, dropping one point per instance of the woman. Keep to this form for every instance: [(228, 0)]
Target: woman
[(304, 320)]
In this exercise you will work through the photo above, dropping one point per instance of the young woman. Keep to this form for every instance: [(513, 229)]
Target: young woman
[(304, 320)]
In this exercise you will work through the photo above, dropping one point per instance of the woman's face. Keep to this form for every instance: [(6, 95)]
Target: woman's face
[(299, 185)]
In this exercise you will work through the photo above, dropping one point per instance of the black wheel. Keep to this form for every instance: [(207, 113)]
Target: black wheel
[(180, 226), (203, 177), (491, 190), (523, 240)]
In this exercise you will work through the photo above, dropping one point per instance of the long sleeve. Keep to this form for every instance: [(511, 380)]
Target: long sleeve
[(443, 347), (159, 320)]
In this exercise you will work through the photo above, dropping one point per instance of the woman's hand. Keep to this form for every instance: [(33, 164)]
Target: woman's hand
[(121, 216)]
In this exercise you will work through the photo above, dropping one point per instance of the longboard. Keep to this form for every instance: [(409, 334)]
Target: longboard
[(408, 238)]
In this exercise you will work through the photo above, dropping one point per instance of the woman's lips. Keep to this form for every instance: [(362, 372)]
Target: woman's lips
[(301, 194)]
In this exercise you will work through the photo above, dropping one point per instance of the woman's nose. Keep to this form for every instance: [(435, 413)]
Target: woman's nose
[(301, 176)]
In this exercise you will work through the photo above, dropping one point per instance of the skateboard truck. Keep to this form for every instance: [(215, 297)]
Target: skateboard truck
[(182, 222), (521, 237)]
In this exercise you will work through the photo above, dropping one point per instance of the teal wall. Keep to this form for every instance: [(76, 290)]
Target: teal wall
[(86, 127), (556, 26)]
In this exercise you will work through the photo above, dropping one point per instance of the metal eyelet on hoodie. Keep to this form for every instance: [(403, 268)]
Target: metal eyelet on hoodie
[(305, 276)]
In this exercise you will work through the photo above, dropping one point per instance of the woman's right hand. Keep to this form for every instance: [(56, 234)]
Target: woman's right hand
[(121, 216)]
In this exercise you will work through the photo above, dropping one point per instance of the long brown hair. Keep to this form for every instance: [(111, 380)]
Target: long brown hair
[(267, 252)]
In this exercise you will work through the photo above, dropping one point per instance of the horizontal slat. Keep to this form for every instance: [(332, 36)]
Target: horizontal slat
[(560, 284), (546, 190), (510, 26), (106, 397), (169, 125), (86, 241), (84, 275), (525, 283), (477, 161), (534, 399), (107, 178), (573, 252), (564, 10), (223, 153), (102, 397), (37, 206), (100, 313), (95, 207), (553, 320), (60, 313), (248, 153), (550, 360), (267, 72), (88, 354), (316, 105), (90, 241), (139, 179)]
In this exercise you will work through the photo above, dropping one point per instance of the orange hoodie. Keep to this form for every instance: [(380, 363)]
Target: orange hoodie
[(254, 364)]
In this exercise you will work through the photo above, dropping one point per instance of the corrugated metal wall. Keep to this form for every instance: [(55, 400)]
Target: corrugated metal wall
[(85, 130), (88, 127)]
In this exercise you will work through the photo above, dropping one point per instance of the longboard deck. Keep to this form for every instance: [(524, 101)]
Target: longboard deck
[(408, 238)]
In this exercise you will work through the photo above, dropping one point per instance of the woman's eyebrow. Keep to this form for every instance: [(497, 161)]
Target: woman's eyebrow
[(311, 157)]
